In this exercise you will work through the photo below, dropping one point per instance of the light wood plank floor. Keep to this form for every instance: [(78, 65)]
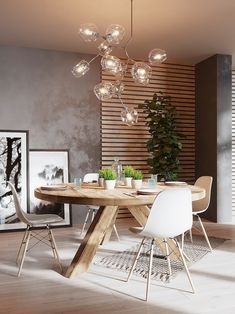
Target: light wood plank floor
[(41, 288)]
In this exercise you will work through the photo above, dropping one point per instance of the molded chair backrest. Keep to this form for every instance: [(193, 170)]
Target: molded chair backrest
[(204, 182), (19, 211), (91, 177), (170, 215)]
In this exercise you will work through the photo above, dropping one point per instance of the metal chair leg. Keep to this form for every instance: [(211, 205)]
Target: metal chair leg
[(149, 270), (27, 238), (135, 261), (85, 222), (205, 234), (185, 266)]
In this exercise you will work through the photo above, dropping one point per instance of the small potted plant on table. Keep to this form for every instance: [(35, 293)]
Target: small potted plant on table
[(109, 176), (101, 177), (137, 179), (128, 174)]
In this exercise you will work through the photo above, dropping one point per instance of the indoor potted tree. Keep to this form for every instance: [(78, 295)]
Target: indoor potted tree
[(164, 145), (128, 174), (137, 179), (109, 176)]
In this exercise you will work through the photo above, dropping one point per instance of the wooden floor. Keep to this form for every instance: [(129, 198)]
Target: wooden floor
[(42, 289)]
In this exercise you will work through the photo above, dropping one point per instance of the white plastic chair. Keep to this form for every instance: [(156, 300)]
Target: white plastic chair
[(88, 178), (170, 216), (201, 205), (32, 220)]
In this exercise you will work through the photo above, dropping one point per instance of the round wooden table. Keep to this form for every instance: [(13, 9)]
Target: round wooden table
[(101, 227)]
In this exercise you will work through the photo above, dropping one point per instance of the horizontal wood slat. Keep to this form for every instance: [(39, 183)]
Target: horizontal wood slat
[(129, 143)]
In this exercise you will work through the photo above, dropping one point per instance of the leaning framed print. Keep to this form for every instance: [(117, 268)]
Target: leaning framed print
[(13, 168), (49, 167)]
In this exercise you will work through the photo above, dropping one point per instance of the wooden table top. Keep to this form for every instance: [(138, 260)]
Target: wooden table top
[(92, 194)]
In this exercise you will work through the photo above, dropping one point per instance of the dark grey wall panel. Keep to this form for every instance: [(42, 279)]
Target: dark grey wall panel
[(213, 132), (38, 93)]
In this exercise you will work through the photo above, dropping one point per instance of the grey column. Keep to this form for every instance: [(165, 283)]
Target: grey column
[(214, 132)]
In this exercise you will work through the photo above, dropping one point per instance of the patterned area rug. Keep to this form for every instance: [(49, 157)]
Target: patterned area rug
[(124, 260)]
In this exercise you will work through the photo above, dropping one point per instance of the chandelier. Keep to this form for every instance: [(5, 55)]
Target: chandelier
[(140, 71)]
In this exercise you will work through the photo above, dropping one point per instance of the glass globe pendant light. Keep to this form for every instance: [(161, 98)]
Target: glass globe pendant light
[(81, 68), (104, 48), (122, 69), (118, 88), (141, 72), (115, 34), (129, 116), (157, 56), (104, 90), (110, 64), (89, 32)]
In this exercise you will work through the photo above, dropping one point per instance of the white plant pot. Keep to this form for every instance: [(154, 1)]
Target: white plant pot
[(136, 184), (128, 181), (101, 182), (109, 184)]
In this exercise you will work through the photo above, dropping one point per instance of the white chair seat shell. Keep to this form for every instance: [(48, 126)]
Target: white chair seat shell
[(169, 217)]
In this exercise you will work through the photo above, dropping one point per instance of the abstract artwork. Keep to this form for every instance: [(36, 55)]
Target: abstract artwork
[(48, 167), (13, 168)]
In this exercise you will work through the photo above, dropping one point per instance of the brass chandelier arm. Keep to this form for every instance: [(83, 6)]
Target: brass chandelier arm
[(93, 59)]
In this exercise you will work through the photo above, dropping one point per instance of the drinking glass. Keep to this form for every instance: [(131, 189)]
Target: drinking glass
[(154, 176), (78, 183), (151, 182)]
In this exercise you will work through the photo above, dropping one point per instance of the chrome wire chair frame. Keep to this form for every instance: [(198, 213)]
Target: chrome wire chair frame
[(48, 239), (169, 251)]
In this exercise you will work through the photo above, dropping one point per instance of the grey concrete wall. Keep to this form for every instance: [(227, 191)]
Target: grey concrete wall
[(214, 132), (38, 93)]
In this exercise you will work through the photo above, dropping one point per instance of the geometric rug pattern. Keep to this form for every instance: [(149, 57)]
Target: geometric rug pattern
[(123, 260)]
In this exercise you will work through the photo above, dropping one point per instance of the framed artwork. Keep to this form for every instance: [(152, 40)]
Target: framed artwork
[(49, 167), (13, 168)]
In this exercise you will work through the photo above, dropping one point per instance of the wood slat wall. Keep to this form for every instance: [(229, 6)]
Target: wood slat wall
[(233, 143), (129, 143)]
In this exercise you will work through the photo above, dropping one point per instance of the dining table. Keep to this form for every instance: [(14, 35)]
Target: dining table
[(109, 201)]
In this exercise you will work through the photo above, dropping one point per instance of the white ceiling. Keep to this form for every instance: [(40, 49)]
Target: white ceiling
[(189, 30)]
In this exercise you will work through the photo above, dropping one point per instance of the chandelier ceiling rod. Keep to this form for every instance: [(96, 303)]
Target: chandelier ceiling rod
[(131, 28), (131, 35)]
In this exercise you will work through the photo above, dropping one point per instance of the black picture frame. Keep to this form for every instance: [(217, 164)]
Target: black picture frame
[(49, 166), (14, 167)]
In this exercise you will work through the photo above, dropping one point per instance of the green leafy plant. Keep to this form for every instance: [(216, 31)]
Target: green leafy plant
[(101, 173), (164, 145), (109, 174), (128, 171), (137, 175)]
